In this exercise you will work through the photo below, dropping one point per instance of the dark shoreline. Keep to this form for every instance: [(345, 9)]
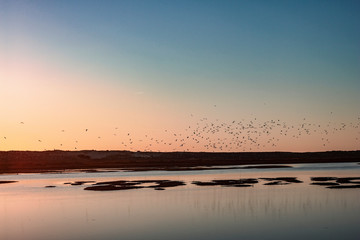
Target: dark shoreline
[(59, 161)]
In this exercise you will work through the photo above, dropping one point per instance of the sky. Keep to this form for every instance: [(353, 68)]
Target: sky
[(180, 75)]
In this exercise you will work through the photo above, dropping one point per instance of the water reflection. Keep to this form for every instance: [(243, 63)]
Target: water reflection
[(28, 210)]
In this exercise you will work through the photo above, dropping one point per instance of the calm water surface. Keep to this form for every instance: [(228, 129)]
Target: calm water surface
[(28, 210)]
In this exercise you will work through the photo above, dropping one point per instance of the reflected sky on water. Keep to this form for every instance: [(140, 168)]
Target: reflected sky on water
[(28, 210)]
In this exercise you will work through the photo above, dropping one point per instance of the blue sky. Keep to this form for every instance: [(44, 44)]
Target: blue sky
[(264, 58)]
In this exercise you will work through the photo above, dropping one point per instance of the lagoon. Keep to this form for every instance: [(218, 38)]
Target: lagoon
[(30, 210)]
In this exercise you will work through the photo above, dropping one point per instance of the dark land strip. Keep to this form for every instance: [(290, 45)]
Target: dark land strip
[(91, 161)]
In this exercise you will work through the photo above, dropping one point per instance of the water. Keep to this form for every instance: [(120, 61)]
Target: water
[(28, 210)]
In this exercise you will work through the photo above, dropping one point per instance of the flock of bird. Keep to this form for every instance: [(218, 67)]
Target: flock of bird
[(231, 136)]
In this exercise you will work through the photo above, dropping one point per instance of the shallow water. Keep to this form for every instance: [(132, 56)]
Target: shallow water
[(28, 210)]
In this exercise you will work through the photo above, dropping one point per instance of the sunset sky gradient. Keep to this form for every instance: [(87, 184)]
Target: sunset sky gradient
[(126, 69)]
